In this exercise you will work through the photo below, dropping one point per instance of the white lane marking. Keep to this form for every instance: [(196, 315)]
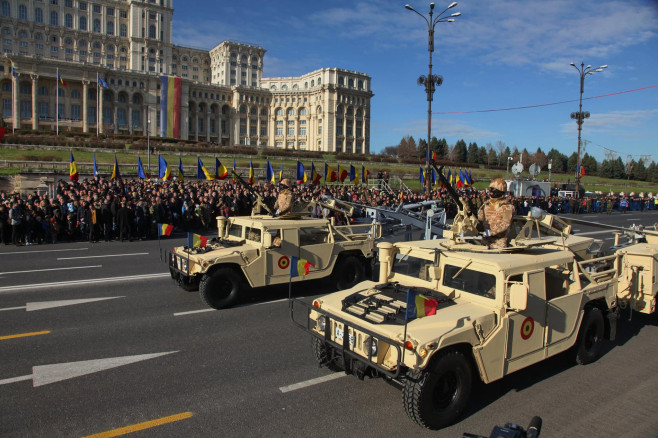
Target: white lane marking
[(44, 250), (193, 311), (42, 305), (633, 219), (78, 282), (101, 256), (306, 384), (51, 269), (46, 374), (12, 308)]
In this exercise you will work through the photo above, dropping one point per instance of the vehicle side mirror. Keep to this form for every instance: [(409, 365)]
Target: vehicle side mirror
[(518, 296)]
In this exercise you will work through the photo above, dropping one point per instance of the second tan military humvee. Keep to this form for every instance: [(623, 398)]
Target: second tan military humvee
[(445, 312), (256, 251)]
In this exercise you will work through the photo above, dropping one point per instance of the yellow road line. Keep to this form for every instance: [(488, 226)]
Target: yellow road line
[(24, 335), (141, 426)]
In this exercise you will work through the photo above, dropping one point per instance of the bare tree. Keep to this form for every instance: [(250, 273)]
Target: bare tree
[(501, 146)]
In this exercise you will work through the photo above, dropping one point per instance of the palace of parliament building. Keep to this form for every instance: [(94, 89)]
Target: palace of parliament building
[(224, 98)]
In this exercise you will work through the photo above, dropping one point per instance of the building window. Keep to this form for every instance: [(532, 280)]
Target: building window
[(61, 111), (110, 28), (291, 132), (136, 118), (82, 6), (152, 31), (43, 110), (54, 19), (6, 107), (22, 12), (83, 23), (6, 9), (123, 30), (68, 21), (26, 109), (76, 114), (38, 15), (123, 14), (75, 94), (109, 12), (97, 25), (121, 117), (97, 9), (107, 115)]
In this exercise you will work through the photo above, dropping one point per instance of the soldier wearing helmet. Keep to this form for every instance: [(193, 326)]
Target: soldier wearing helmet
[(284, 201), (496, 215)]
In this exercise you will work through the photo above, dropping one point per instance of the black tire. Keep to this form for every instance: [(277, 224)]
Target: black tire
[(590, 337), (323, 356), (435, 398), (348, 272), (220, 288)]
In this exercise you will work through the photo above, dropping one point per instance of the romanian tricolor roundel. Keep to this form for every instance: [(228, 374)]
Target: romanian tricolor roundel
[(527, 328), (284, 262)]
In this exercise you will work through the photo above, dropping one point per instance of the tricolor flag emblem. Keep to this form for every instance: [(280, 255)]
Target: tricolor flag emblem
[(196, 241), (299, 266), (165, 229), (419, 305)]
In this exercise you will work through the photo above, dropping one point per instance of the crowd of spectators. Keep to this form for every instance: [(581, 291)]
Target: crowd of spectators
[(108, 210)]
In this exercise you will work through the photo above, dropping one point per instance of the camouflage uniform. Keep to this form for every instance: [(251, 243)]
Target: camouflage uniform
[(284, 201), (496, 216)]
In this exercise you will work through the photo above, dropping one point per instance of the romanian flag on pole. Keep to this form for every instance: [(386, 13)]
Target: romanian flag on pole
[(581, 170), (220, 170), (460, 182), (60, 80), (342, 174), (181, 175), (165, 229), (299, 267), (281, 171), (251, 173), (419, 305), (421, 175), (170, 104), (354, 175), (196, 241), (233, 174), (202, 172), (301, 173), (140, 169), (163, 168), (365, 175), (73, 169), (315, 176), (115, 170), (269, 175), (95, 165), (329, 174)]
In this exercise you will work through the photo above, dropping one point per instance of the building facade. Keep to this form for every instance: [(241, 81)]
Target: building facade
[(128, 44)]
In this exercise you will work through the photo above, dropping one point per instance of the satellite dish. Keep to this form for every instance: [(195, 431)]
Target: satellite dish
[(517, 168), (534, 170)]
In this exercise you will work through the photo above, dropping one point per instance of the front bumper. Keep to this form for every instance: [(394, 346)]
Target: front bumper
[(350, 341), (180, 264)]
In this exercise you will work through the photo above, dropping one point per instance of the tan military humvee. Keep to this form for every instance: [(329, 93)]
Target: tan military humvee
[(446, 311), (258, 250)]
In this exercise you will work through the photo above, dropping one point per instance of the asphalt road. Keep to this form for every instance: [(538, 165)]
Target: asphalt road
[(96, 337)]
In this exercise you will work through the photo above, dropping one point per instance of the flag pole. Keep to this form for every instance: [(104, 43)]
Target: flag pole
[(57, 101), (14, 78), (98, 92)]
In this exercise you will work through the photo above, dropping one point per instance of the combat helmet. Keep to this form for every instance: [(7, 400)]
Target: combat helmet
[(497, 188)]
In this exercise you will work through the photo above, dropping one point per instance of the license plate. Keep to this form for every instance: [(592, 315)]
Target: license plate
[(340, 333)]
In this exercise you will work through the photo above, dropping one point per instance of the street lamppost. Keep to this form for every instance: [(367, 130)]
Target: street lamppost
[(580, 116), (431, 81), (508, 160), (148, 143), (550, 165)]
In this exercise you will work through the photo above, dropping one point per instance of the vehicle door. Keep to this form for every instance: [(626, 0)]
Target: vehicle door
[(526, 327), (316, 245), (285, 245)]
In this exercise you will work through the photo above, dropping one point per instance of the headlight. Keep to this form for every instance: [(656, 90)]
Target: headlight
[(370, 344), (321, 323)]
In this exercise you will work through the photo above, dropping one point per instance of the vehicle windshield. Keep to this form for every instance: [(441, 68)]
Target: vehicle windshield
[(235, 231), (411, 266), (468, 280)]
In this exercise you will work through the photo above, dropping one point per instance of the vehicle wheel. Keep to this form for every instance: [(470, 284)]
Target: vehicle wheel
[(187, 284), (348, 272), (590, 337), (220, 288), (172, 273), (436, 397), (322, 354)]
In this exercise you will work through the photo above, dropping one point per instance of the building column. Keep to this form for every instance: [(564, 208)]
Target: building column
[(85, 91), (130, 119), (15, 114), (272, 131), (208, 124), (35, 115), (184, 111)]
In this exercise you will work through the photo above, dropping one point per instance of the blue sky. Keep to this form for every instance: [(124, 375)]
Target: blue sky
[(497, 54)]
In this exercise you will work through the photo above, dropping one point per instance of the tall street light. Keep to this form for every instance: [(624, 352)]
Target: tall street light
[(431, 81), (580, 116)]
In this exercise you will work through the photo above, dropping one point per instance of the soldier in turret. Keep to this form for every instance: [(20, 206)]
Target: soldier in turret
[(284, 201), (496, 216)]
